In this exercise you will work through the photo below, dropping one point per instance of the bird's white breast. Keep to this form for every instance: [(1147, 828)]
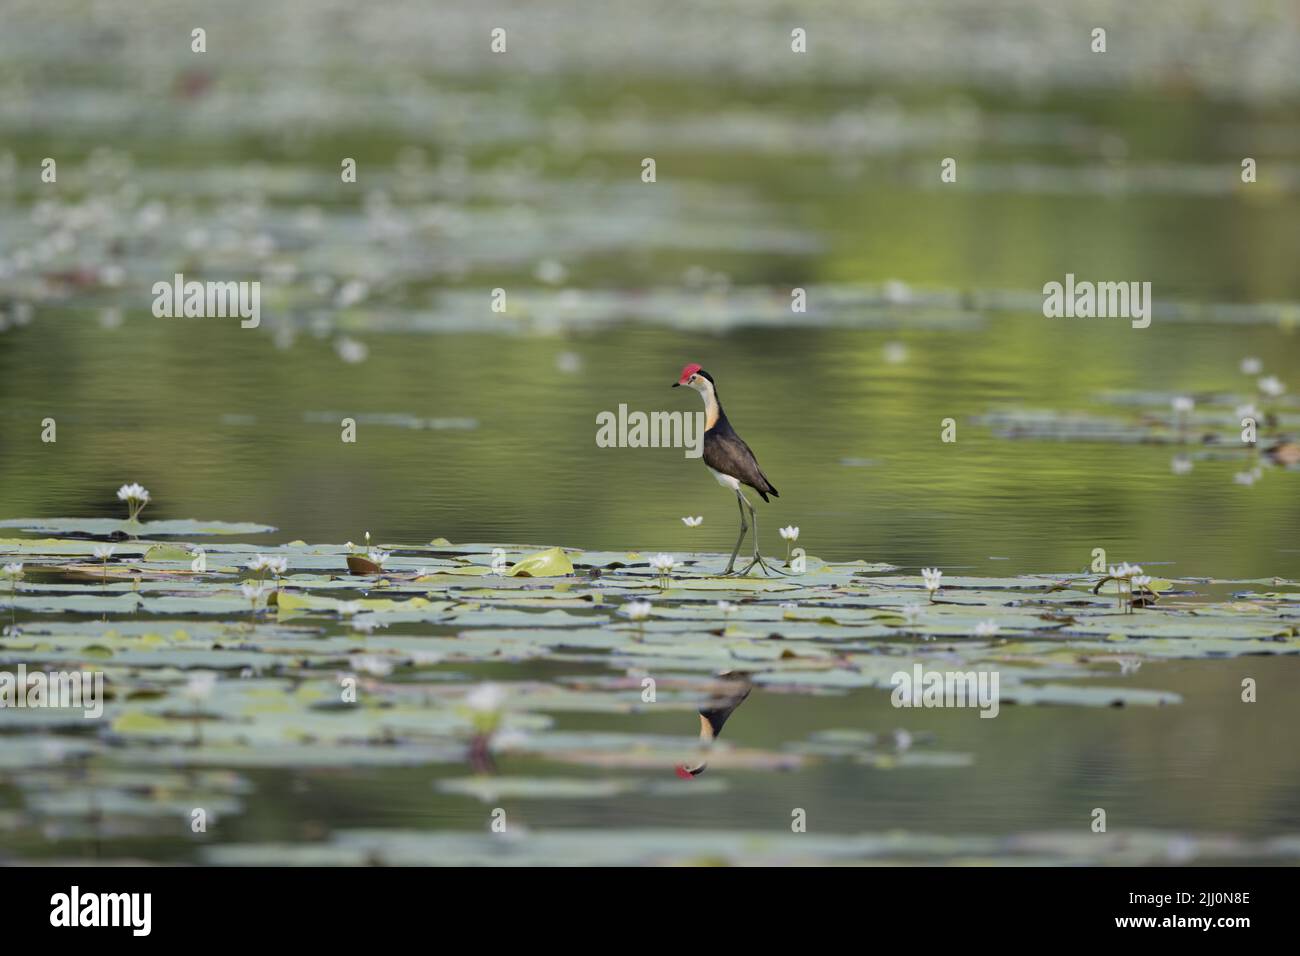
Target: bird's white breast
[(725, 480)]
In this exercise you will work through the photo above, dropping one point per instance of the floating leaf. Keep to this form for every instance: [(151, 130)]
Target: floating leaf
[(552, 562)]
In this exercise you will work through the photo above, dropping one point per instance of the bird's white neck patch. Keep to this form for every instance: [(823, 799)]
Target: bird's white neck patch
[(710, 396)]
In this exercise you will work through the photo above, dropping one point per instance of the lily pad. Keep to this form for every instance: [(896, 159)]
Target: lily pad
[(551, 563)]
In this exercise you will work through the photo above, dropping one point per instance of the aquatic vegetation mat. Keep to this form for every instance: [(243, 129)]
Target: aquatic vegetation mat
[(219, 659)]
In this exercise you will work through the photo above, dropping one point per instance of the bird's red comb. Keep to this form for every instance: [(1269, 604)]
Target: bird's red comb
[(683, 772), (687, 372)]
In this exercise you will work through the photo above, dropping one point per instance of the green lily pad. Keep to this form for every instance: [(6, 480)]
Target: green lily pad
[(105, 527), (551, 563)]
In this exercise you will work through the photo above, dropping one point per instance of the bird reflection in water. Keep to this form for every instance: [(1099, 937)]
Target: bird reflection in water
[(728, 692)]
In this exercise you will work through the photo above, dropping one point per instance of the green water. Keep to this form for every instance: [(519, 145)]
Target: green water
[(243, 425)]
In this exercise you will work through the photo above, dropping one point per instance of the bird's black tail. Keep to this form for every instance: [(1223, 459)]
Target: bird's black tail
[(769, 490)]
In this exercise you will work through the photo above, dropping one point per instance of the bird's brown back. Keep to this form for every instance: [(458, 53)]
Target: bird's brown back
[(726, 452)]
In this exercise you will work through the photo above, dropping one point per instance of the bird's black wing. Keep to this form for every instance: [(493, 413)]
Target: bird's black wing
[(726, 452)]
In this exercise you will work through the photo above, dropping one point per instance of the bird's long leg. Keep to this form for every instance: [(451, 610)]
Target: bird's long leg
[(758, 557), (731, 565)]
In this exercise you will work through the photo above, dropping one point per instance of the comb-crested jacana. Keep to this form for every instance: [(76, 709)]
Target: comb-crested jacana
[(729, 459)]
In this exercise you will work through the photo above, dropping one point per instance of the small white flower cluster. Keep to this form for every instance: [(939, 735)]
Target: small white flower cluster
[(199, 685), (932, 577), (664, 564), (367, 623), (261, 564), (133, 492), (1125, 571), (1248, 478), (636, 610), (486, 698), (136, 497), (351, 351), (789, 533), (693, 522), (1130, 578), (1271, 386), (372, 664)]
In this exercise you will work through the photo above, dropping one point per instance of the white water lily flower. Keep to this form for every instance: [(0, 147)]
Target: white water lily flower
[(693, 522), (260, 562), (253, 590), (636, 610), (1183, 404), (568, 362), (277, 566), (1251, 366), (1180, 465), (663, 563), (1141, 581), (351, 351), (726, 607), (790, 533), (103, 552), (367, 623), (371, 664), (986, 628), (1271, 386), (348, 608), (486, 698), (378, 556), (912, 612), (136, 497), (13, 571), (133, 492), (550, 272), (352, 292), (896, 292), (932, 577), (200, 685), (1244, 478)]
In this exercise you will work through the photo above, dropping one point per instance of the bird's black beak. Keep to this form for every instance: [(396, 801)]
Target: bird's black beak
[(675, 384)]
